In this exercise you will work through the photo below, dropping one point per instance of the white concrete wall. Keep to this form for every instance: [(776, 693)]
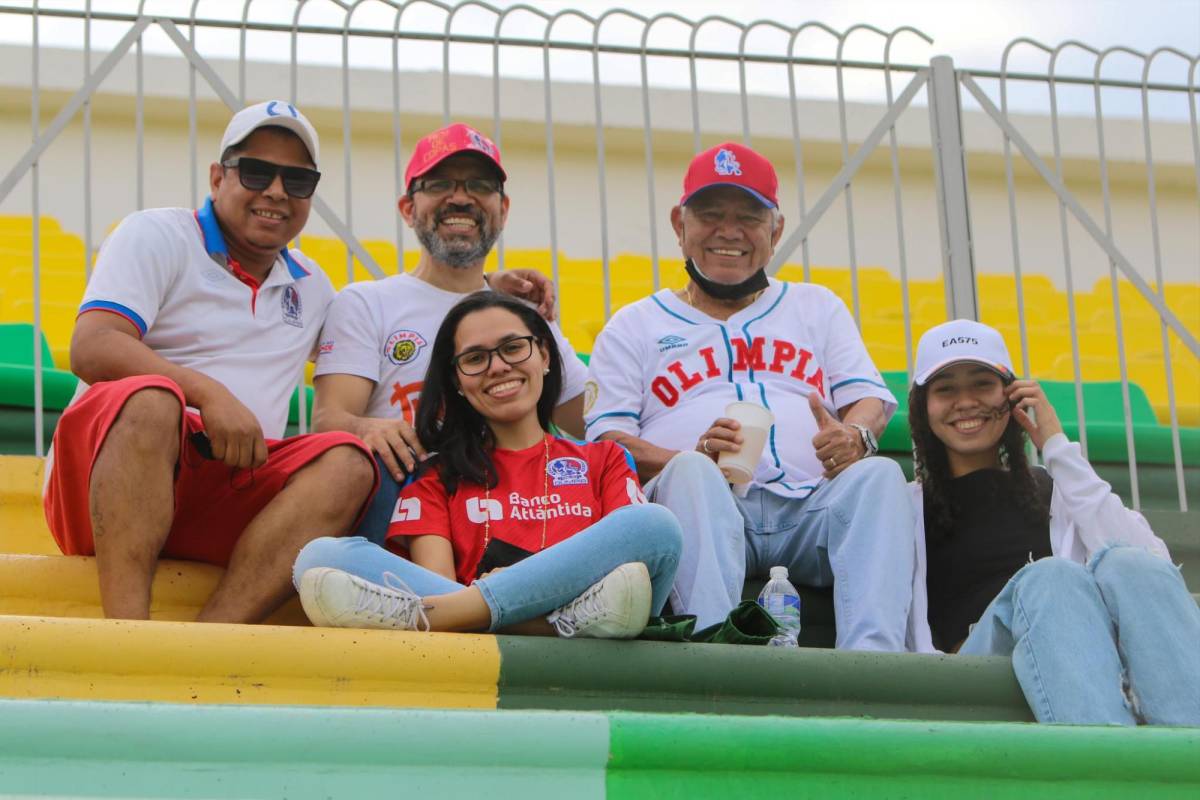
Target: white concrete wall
[(373, 165)]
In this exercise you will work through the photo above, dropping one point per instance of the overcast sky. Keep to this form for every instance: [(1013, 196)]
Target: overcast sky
[(973, 32)]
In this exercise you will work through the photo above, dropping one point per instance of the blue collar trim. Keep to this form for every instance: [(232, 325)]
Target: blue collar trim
[(214, 241)]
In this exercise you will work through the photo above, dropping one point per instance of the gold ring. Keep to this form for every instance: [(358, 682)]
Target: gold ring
[(832, 462), (704, 446)]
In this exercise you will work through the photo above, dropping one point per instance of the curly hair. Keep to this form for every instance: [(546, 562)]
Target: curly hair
[(449, 424), (931, 465)]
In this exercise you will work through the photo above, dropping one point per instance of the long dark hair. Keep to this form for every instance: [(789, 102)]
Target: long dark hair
[(449, 424), (931, 464)]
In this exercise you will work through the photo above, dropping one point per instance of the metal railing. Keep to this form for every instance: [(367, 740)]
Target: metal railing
[(936, 83)]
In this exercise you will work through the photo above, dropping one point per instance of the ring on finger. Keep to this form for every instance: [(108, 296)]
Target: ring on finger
[(832, 462), (704, 446)]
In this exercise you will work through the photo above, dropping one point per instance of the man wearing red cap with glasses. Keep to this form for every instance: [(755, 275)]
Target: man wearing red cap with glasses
[(375, 348), (193, 332), (665, 368)]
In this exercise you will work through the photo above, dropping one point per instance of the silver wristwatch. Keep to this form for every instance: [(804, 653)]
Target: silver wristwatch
[(870, 443)]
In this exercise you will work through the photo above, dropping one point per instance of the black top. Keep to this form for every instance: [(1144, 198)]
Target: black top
[(971, 561)]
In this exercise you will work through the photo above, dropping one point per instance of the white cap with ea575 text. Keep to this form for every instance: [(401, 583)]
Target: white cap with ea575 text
[(276, 113), (957, 341)]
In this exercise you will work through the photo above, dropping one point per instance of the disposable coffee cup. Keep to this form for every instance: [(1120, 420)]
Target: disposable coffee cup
[(756, 422)]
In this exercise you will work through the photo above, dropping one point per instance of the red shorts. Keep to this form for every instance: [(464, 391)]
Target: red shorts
[(213, 502)]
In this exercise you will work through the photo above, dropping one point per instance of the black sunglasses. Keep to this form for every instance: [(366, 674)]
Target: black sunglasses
[(256, 175)]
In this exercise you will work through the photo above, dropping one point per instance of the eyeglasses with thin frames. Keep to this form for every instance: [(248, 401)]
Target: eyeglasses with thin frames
[(440, 187), (512, 351), (256, 175)]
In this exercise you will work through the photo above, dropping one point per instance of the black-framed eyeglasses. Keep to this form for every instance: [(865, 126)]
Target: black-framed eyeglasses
[(256, 175), (440, 187), (512, 351)]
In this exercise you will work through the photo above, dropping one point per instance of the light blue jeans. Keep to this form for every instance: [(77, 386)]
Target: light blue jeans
[(540, 583), (1114, 643), (854, 532)]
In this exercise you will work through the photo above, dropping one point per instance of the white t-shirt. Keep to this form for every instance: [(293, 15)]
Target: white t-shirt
[(383, 331), (663, 371), (167, 271)]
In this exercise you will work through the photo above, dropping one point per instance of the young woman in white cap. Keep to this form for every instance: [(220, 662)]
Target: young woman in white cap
[(1045, 565)]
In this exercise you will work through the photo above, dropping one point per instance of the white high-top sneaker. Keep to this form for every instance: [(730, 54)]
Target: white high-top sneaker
[(615, 607), (333, 598)]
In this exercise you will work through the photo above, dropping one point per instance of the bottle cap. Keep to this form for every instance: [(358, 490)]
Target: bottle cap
[(779, 572)]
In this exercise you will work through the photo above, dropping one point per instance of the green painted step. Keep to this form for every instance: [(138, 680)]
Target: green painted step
[(81, 749)]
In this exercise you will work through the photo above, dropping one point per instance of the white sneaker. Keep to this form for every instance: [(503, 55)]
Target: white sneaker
[(333, 598), (615, 607)]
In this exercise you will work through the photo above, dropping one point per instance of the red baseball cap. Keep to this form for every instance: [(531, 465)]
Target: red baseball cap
[(458, 138), (732, 164)]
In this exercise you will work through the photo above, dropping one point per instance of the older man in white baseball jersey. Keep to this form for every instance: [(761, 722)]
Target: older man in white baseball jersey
[(375, 347), (664, 369), (193, 333)]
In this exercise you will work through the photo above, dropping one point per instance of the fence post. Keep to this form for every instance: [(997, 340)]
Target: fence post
[(950, 176)]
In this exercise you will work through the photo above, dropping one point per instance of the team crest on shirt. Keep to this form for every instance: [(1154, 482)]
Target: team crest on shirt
[(567, 471), (591, 391), (292, 310), (726, 163), (403, 346)]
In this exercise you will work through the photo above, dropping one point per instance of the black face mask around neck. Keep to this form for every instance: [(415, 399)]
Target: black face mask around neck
[(727, 291)]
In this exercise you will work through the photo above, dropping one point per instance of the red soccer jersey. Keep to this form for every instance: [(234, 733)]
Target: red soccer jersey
[(567, 488)]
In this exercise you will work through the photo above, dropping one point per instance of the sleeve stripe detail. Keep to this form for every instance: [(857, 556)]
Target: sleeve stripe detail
[(632, 414), (848, 381), (116, 308)]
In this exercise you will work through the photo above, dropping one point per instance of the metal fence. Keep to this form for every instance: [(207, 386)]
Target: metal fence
[(798, 57)]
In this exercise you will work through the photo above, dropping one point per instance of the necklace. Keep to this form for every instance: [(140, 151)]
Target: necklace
[(691, 301), (487, 498)]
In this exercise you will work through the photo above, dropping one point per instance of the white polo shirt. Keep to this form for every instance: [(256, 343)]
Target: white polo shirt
[(383, 331), (168, 272)]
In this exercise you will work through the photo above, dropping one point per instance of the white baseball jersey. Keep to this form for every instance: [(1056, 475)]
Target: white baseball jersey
[(383, 331), (168, 272), (663, 371)]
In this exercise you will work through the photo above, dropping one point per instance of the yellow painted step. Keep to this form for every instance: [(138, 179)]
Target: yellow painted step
[(67, 586), (188, 662)]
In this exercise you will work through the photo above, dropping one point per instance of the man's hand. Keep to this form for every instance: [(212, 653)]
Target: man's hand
[(236, 437), (837, 445), (396, 443), (721, 437), (1026, 396), (527, 284)]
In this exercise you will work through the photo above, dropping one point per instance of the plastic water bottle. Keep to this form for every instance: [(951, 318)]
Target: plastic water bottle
[(782, 601)]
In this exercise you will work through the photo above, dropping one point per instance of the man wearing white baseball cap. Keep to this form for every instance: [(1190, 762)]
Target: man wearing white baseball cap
[(665, 371), (1044, 565), (194, 329)]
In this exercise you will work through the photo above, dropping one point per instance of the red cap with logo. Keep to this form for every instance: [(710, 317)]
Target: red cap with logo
[(732, 164), (451, 140)]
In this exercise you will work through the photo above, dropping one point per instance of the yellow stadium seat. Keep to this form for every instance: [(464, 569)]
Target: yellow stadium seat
[(23, 223)]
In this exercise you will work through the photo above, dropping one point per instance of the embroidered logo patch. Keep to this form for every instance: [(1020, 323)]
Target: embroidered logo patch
[(480, 143), (325, 347), (403, 346), (292, 310), (726, 163), (567, 471), (671, 342), (591, 391)]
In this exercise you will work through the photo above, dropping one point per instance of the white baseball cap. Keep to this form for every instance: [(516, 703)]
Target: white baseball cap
[(272, 112), (957, 341)]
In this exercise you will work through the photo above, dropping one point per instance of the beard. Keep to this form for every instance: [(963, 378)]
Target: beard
[(455, 250)]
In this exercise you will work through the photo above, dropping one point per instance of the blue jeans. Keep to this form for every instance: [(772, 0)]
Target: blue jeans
[(854, 532), (540, 583), (1114, 643)]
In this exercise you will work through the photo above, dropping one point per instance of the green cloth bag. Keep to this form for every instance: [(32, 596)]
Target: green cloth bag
[(747, 623)]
